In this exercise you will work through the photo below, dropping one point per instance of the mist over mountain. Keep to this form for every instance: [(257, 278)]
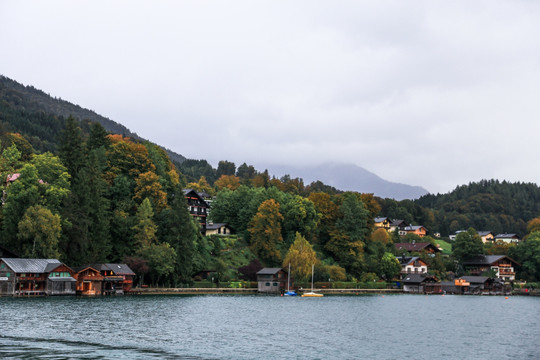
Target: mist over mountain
[(350, 177)]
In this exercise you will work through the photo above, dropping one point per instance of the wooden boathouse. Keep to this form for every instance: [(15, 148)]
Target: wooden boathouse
[(35, 277)]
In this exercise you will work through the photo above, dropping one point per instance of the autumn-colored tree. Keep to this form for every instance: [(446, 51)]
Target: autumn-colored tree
[(201, 186), (328, 212), (126, 157), (230, 182), (265, 230), (301, 257), (533, 225), (381, 236), (148, 186)]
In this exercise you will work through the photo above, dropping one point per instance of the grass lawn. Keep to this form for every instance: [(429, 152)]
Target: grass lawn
[(445, 246)]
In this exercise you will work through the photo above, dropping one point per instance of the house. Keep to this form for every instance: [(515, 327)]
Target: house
[(35, 277), (413, 229), (484, 285), (382, 222), (412, 265), (272, 280), (416, 283), (89, 281), (397, 224), (507, 238), (486, 236), (117, 278), (417, 247), (503, 266), (218, 229), (198, 207)]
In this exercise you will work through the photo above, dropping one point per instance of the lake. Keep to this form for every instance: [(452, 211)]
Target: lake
[(271, 327)]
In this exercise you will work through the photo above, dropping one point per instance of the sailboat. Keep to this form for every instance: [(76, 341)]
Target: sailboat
[(311, 293), (289, 292)]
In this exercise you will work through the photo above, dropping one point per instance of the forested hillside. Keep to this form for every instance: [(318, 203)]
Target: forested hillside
[(40, 117), (487, 205)]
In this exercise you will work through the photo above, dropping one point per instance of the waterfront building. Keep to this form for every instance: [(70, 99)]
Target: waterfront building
[(272, 280), (35, 277)]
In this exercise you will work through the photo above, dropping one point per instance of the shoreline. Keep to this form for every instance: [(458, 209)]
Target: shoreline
[(251, 291)]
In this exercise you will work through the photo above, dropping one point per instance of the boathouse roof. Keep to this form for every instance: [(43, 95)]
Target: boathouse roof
[(269, 271), (31, 265)]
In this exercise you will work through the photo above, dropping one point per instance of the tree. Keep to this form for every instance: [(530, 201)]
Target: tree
[(20, 195), (346, 242), (528, 254), (145, 229), (301, 256), (148, 187), (265, 230), (161, 260), (225, 168), (390, 266), (467, 244), (178, 229), (39, 232), (230, 182)]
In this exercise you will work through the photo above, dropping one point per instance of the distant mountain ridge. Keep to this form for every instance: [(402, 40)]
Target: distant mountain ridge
[(30, 99), (351, 177)]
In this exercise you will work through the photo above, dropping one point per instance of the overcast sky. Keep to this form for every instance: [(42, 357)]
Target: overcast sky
[(428, 93)]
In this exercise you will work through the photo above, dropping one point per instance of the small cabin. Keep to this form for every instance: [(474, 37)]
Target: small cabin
[(271, 280), (218, 229)]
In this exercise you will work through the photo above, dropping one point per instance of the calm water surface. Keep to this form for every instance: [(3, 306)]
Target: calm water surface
[(267, 327)]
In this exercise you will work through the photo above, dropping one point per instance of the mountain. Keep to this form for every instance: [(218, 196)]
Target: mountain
[(25, 104), (350, 177)]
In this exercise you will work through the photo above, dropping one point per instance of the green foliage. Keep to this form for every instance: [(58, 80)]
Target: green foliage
[(467, 244), (39, 232), (301, 257), (390, 266)]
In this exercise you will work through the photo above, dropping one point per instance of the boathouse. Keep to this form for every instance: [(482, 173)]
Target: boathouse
[(89, 281), (117, 278), (271, 280), (35, 277)]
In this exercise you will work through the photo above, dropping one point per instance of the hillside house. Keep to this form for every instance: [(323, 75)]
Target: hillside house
[(503, 266), (417, 247), (382, 222), (487, 236), (397, 224), (413, 229), (35, 277), (507, 238), (198, 207), (272, 280), (412, 265), (218, 229)]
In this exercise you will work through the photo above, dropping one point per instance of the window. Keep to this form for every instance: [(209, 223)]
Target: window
[(267, 284), (275, 284)]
